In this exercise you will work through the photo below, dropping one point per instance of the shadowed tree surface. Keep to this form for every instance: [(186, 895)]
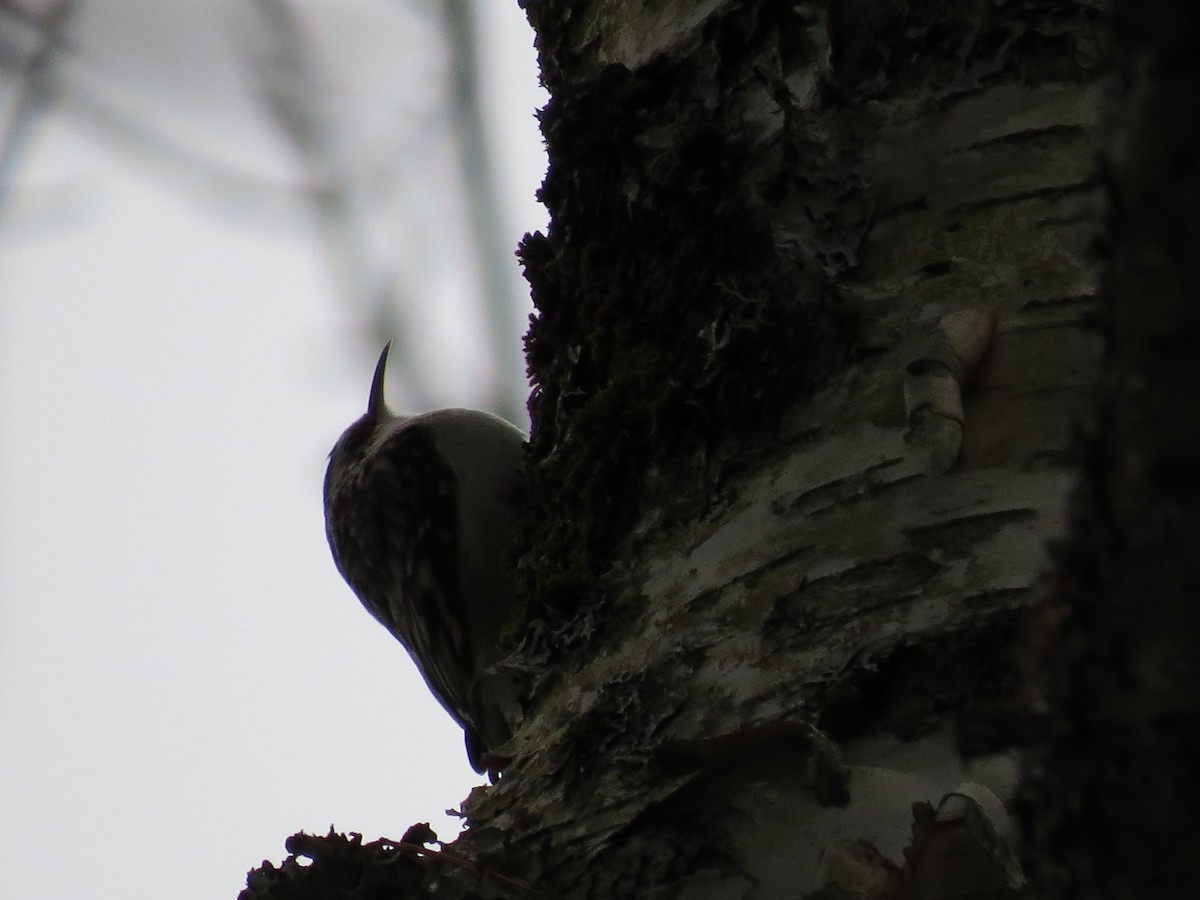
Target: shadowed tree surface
[(1109, 810), (818, 333)]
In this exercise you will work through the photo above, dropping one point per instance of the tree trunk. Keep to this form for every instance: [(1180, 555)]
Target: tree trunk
[(815, 331)]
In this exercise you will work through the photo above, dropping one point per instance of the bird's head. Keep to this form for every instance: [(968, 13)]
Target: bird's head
[(355, 443)]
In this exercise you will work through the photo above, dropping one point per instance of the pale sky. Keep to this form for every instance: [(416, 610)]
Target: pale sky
[(184, 679)]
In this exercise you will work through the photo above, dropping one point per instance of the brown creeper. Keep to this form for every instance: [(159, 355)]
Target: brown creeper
[(420, 512)]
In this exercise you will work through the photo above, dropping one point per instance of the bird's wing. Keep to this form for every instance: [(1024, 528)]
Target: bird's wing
[(412, 489)]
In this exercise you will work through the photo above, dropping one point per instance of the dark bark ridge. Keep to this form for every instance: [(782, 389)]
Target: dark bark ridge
[(677, 309)]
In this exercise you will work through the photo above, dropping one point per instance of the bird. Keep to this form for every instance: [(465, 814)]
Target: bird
[(420, 513)]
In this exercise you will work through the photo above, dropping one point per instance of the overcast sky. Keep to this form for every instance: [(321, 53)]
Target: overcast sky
[(184, 679)]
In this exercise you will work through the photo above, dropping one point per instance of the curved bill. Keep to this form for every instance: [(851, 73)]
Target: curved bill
[(376, 404)]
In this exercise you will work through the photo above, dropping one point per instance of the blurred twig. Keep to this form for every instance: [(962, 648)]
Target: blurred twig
[(37, 55), (222, 188), (497, 258), (285, 76), (35, 88)]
